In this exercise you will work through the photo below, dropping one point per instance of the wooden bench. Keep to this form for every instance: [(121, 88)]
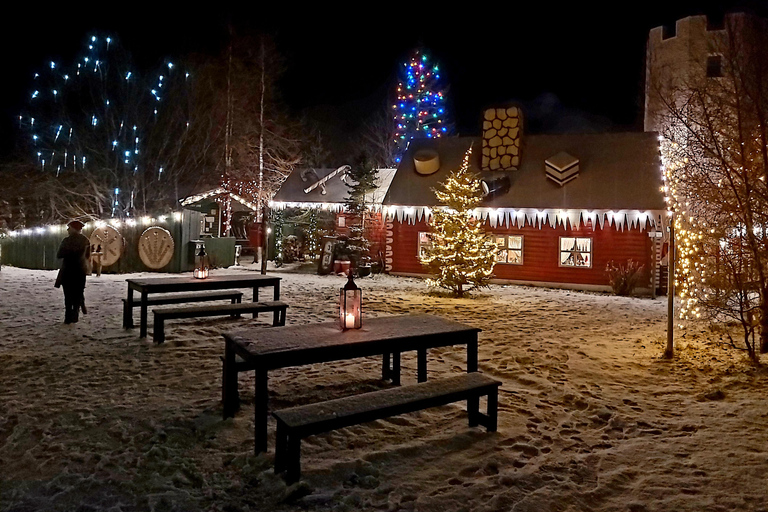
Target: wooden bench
[(179, 298), (161, 315), (296, 423)]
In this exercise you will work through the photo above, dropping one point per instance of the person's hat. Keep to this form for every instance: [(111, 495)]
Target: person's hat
[(75, 224)]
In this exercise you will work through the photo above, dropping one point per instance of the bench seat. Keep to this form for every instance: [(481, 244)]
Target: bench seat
[(296, 423), (161, 315), (179, 298)]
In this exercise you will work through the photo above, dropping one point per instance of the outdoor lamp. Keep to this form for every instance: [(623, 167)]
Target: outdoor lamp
[(350, 305), (201, 264)]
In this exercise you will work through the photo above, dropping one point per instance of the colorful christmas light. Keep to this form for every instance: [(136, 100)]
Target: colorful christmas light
[(420, 106)]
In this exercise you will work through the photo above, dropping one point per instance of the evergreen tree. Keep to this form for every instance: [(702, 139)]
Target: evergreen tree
[(462, 255), (361, 182), (420, 106)]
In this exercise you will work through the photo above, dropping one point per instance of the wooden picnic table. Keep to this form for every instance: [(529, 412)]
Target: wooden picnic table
[(150, 285), (263, 350)]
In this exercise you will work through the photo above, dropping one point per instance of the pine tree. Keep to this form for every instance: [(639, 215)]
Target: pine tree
[(420, 107), (362, 183), (462, 255)]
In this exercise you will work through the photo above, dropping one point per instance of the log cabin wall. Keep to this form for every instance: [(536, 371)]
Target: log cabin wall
[(541, 253)]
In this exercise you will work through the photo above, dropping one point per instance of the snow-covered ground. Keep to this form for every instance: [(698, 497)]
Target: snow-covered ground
[(94, 418)]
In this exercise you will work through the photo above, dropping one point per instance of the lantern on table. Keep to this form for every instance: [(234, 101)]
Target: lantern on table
[(201, 264), (350, 305)]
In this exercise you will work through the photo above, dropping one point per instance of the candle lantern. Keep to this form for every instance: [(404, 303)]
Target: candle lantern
[(350, 305), (201, 263)]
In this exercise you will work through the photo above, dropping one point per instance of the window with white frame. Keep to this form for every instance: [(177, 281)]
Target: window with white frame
[(425, 243), (510, 249), (575, 252)]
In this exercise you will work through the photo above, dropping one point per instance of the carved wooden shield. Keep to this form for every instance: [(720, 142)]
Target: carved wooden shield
[(111, 242), (156, 247)]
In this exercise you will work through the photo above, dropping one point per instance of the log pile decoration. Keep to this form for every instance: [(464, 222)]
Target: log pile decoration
[(502, 135), (156, 247)]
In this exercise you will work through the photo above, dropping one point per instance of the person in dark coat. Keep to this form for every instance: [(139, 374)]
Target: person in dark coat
[(75, 251)]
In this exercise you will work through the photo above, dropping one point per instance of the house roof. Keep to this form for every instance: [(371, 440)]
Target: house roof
[(325, 186), (198, 201), (616, 171)]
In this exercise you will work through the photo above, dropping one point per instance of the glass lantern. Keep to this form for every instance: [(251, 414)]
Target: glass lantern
[(350, 305), (201, 264)]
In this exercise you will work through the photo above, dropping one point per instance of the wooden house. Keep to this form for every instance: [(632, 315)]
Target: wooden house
[(327, 189), (561, 207)]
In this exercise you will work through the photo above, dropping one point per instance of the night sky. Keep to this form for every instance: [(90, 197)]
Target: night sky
[(574, 68)]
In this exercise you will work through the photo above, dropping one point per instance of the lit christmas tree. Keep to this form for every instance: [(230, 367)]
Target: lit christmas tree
[(420, 106), (462, 254)]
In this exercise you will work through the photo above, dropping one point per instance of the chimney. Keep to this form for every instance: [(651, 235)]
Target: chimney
[(502, 135)]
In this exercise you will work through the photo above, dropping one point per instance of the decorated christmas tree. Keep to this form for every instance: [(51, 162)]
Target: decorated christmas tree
[(462, 254), (420, 106)]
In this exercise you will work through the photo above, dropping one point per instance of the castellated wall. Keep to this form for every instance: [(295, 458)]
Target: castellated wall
[(677, 61)]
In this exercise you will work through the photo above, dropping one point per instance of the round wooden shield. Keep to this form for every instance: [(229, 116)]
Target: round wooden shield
[(156, 247), (111, 242)]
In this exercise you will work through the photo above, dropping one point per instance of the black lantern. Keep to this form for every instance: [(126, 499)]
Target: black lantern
[(201, 264), (350, 305)]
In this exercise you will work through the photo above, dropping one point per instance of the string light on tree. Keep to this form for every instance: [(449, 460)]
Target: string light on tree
[(77, 116), (462, 254), (420, 107)]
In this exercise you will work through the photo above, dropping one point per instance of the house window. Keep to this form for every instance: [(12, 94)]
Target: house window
[(510, 249), (575, 252), (714, 66), (425, 243)]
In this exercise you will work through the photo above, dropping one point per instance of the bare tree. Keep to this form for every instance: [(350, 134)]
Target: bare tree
[(261, 145), (378, 139), (115, 139), (716, 152)]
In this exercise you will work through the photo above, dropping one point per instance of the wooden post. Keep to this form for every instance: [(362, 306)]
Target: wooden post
[(655, 267), (264, 239), (670, 350)]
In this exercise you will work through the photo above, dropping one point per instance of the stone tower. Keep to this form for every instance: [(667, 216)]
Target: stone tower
[(676, 59), (696, 50)]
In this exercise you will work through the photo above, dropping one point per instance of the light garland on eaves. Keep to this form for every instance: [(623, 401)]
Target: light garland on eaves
[(96, 224), (553, 217), (216, 192)]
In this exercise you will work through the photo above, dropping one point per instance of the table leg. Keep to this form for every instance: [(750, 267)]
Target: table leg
[(255, 299), (472, 355), (386, 369), (229, 394), (260, 412), (421, 355), (143, 327), (277, 291), (128, 310), (390, 367), (396, 368)]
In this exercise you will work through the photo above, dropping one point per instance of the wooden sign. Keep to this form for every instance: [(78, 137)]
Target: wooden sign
[(325, 265), (156, 247), (111, 242)]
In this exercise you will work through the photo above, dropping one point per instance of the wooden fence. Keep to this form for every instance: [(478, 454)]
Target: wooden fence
[(36, 248)]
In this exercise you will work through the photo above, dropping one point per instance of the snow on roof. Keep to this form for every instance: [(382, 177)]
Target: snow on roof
[(326, 186)]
